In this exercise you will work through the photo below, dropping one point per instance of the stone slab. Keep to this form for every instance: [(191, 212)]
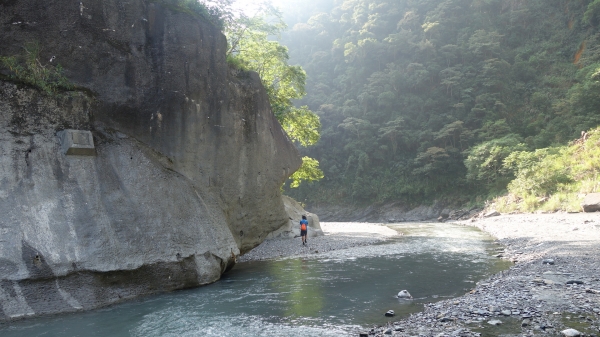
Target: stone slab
[(76, 142)]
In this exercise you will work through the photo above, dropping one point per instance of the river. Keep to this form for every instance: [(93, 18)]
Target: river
[(326, 294)]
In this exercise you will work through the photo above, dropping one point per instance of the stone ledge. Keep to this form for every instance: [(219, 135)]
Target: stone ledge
[(76, 142)]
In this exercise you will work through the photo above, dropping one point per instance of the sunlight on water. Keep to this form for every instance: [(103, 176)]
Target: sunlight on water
[(164, 324), (324, 295)]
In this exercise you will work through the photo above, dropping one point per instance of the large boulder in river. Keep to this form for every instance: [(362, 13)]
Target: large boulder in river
[(186, 167), (295, 212), (591, 202)]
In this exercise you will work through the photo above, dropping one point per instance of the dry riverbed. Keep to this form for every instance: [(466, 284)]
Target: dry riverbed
[(553, 286)]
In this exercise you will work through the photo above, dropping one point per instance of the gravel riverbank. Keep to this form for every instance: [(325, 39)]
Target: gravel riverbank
[(338, 235), (554, 284)]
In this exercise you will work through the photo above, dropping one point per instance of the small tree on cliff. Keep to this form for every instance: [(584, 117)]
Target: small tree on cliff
[(249, 47)]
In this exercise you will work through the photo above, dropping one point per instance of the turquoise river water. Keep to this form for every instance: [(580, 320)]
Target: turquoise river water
[(327, 294)]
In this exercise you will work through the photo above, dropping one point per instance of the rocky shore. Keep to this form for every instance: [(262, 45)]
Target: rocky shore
[(552, 289), (338, 235)]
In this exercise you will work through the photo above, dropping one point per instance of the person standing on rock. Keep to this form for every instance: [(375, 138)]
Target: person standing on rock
[(303, 229)]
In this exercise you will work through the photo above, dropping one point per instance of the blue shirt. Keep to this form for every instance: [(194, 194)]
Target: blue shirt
[(304, 221)]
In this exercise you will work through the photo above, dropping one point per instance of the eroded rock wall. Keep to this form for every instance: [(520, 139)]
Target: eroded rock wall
[(188, 167)]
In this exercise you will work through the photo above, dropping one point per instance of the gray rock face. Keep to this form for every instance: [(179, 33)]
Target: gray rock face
[(189, 158), (591, 202), (292, 228)]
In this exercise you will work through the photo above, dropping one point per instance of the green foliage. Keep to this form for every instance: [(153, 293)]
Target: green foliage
[(422, 100), (309, 172), (301, 125), (28, 68), (540, 178), (250, 48), (485, 161), (553, 179), (592, 13)]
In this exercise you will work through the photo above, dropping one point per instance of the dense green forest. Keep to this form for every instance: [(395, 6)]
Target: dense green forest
[(424, 99)]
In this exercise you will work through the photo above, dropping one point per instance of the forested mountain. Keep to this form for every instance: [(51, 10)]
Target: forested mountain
[(423, 99)]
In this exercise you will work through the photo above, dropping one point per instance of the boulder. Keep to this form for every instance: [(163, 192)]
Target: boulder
[(390, 313), (571, 333), (404, 294), (591, 202), (491, 213), (291, 228)]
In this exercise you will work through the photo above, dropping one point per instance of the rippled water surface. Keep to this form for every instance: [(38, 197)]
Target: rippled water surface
[(324, 295)]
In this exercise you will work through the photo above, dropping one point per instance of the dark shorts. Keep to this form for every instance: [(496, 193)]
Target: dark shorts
[(302, 233)]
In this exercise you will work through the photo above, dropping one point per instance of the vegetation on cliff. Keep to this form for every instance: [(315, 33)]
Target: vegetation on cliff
[(250, 47), (29, 69)]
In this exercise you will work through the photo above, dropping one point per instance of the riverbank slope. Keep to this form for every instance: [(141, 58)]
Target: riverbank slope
[(553, 285)]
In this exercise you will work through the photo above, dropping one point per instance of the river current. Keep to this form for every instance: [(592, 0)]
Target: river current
[(326, 294)]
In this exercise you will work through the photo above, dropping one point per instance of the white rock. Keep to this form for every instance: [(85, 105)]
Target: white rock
[(571, 333), (495, 322), (404, 294)]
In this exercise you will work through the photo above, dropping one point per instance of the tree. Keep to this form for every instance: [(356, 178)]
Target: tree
[(485, 44), (591, 14), (249, 47), (391, 130), (309, 171), (485, 161)]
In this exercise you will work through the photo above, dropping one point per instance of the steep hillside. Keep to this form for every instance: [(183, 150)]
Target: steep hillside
[(422, 100)]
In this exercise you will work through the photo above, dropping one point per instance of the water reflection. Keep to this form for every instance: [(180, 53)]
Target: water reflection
[(313, 296), (302, 285)]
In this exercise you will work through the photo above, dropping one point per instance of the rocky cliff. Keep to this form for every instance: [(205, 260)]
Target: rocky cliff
[(187, 164)]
